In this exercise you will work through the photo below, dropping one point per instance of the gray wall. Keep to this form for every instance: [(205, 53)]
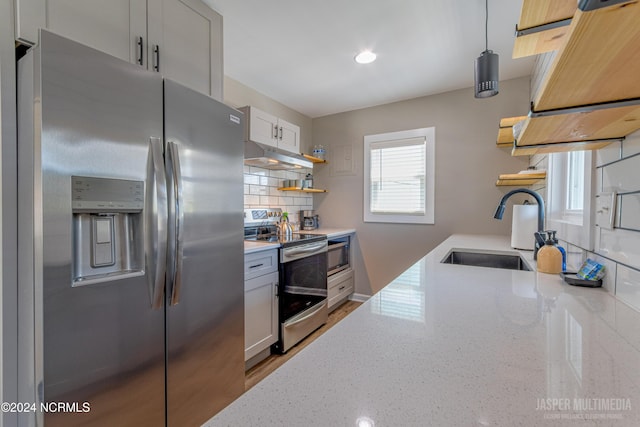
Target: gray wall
[(467, 166)]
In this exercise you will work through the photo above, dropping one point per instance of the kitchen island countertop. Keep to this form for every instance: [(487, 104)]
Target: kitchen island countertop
[(446, 345)]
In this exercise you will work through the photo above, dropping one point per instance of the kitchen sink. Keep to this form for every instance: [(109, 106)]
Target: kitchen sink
[(492, 259)]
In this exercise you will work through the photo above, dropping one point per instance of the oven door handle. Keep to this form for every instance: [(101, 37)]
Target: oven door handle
[(305, 249), (302, 319), (333, 246)]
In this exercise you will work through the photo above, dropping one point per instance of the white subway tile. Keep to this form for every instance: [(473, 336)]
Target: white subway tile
[(629, 210), (628, 286), (246, 189), (273, 191), (285, 200), (251, 179), (259, 171), (278, 174), (251, 200), (609, 280), (620, 245), (258, 190), (264, 180), (575, 256), (274, 182), (631, 144), (608, 154), (247, 169), (622, 176)]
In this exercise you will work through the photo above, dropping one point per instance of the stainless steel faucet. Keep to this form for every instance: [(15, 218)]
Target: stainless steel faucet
[(537, 236)]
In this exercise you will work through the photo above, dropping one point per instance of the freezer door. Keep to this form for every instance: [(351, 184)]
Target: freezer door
[(205, 291), (98, 346)]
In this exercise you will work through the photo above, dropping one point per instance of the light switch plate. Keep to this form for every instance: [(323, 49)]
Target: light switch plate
[(605, 210)]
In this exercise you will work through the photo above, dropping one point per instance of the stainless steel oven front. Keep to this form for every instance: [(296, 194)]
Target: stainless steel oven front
[(302, 291)]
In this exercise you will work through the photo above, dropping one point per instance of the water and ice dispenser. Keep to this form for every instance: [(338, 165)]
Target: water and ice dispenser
[(108, 235)]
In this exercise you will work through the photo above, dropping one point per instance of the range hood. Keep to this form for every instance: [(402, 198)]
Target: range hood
[(267, 157)]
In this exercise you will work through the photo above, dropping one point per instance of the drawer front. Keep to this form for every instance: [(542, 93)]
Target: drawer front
[(340, 286), (259, 263)]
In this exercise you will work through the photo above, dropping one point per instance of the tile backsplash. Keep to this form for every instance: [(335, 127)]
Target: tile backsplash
[(617, 169), (261, 190)]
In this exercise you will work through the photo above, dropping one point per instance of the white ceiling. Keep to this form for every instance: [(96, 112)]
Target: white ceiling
[(300, 52)]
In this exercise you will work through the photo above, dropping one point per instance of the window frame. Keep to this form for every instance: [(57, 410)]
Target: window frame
[(429, 214), (573, 226)]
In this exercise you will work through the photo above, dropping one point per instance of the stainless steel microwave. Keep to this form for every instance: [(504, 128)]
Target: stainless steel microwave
[(338, 255)]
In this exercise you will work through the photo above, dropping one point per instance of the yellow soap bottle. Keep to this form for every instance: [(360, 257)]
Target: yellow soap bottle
[(549, 258)]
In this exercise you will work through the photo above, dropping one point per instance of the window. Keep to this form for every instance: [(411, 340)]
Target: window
[(399, 176), (569, 184), (574, 197)]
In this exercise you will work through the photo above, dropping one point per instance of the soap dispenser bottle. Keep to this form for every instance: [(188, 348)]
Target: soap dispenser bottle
[(549, 257), (561, 249)]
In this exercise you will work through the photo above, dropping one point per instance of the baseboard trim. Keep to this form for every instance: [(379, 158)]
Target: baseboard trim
[(359, 297)]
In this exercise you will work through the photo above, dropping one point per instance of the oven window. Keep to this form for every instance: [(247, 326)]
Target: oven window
[(303, 284)]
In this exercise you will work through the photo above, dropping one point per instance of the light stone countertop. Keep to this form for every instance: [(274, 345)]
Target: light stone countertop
[(331, 232), (453, 345), (251, 247)]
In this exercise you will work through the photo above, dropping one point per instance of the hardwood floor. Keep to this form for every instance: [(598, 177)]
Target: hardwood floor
[(256, 374)]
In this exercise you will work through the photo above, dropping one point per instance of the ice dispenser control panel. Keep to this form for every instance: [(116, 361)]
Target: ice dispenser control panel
[(108, 235), (106, 195)]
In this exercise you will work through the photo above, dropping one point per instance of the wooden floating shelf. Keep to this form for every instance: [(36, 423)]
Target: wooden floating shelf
[(505, 131), (304, 190), (543, 26), (313, 159), (600, 62), (591, 94), (560, 147), (518, 179)]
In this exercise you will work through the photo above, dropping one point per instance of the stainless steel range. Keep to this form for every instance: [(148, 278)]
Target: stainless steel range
[(302, 291)]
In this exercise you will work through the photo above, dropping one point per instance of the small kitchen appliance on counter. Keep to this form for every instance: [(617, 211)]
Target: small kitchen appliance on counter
[(309, 220)]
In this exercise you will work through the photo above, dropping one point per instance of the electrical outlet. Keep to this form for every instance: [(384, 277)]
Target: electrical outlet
[(605, 210)]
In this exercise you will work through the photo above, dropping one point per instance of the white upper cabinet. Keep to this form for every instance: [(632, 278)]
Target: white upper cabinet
[(182, 39), (267, 129), (188, 35)]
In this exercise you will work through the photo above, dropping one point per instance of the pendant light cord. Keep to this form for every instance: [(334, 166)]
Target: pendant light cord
[(486, 25)]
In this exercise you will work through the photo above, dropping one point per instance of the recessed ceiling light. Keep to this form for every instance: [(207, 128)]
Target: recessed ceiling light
[(365, 57)]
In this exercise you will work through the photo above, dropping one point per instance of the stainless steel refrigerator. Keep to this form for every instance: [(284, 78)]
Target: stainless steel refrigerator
[(131, 244)]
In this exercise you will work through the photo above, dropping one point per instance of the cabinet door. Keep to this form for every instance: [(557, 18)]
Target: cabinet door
[(113, 27), (288, 136), (260, 314), (188, 36), (263, 127)]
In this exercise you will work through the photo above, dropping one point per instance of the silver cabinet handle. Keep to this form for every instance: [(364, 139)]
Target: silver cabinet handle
[(156, 222), (280, 133), (176, 246), (275, 131), (140, 44), (156, 58), (255, 266)]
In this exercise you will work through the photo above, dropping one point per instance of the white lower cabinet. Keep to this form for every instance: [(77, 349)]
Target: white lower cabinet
[(260, 302), (340, 286)]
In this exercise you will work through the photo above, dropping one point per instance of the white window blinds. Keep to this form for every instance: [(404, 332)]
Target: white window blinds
[(398, 176)]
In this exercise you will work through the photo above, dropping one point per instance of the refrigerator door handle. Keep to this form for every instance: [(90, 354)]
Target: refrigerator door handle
[(176, 249), (156, 220)]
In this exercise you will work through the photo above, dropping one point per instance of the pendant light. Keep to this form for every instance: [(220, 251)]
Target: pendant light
[(486, 66)]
